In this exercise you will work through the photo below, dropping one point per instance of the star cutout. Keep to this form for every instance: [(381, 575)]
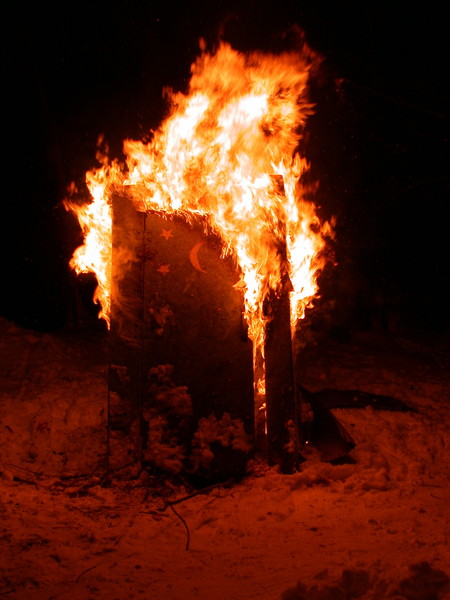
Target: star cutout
[(167, 233), (164, 269)]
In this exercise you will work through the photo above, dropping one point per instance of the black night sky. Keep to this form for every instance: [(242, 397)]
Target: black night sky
[(378, 143)]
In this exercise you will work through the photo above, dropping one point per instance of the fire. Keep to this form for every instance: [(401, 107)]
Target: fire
[(95, 219), (228, 151)]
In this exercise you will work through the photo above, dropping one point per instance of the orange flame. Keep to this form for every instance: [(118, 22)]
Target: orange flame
[(227, 151)]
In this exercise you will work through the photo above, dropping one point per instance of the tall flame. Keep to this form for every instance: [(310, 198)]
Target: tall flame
[(228, 151)]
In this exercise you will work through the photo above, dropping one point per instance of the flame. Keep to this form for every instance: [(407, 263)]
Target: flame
[(95, 219), (229, 151)]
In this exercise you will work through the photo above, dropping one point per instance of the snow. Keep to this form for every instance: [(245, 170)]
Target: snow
[(375, 528)]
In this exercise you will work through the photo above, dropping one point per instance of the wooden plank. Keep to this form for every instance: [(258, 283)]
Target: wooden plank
[(125, 371)]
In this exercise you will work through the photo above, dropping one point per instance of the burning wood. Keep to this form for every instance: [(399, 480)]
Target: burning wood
[(229, 154)]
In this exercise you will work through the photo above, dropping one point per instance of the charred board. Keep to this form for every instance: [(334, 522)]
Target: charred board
[(282, 427), (194, 322), (324, 432), (333, 398), (181, 375)]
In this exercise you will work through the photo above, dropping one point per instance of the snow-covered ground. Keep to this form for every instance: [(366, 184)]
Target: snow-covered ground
[(373, 529)]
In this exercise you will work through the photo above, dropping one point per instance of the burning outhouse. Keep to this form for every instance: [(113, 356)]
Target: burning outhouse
[(207, 252)]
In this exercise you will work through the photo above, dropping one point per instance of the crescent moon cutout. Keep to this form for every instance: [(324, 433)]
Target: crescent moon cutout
[(193, 257)]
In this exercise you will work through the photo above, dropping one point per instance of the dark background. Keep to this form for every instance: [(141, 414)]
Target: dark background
[(378, 143)]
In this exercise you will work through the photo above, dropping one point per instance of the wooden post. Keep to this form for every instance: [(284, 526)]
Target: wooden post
[(282, 426)]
